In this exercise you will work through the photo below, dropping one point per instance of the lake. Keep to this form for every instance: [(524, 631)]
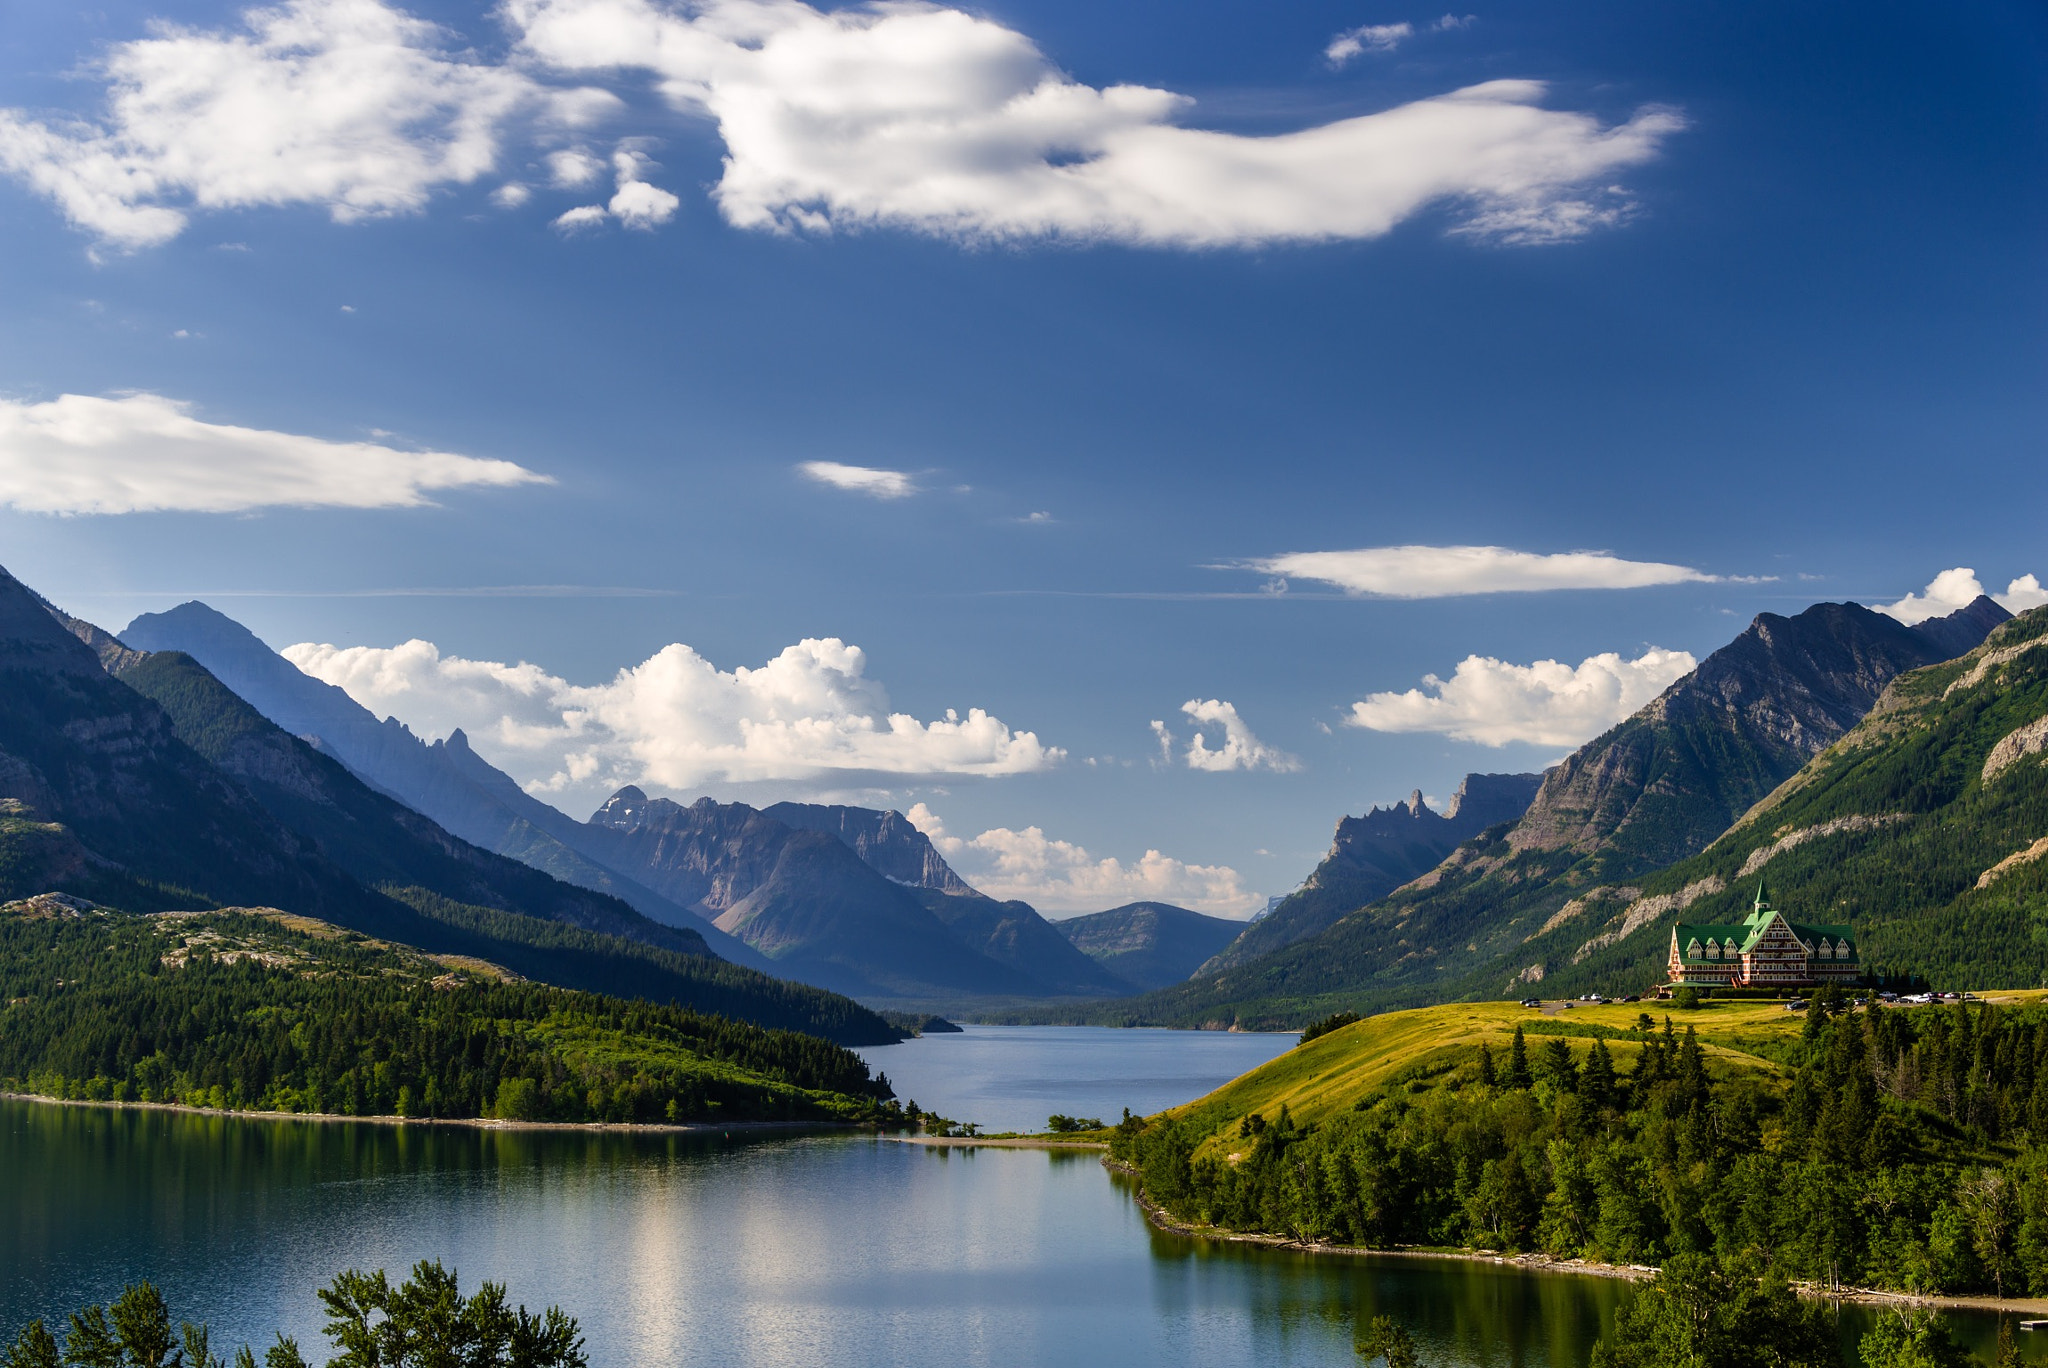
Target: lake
[(792, 1250), (1011, 1078)]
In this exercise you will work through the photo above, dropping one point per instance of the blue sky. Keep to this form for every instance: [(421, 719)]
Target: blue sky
[(1751, 293)]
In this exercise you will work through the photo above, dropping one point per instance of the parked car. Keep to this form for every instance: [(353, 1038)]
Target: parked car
[(1633, 997), (1532, 1002), (1796, 1005)]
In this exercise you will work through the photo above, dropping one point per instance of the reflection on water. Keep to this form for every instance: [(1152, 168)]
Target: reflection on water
[(1010, 1078), (823, 1249)]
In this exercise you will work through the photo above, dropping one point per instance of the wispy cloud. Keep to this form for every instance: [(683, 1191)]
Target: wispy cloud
[(1366, 38), (1420, 572), (920, 117), (810, 715), (876, 484), (1957, 588), (1548, 703), (143, 453)]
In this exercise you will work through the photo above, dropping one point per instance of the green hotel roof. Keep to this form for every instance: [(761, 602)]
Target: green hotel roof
[(1746, 932)]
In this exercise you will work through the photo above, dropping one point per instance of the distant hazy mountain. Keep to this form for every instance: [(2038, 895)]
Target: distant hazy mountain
[(1373, 855), (1149, 944), (1014, 934), (814, 897), (106, 792), (1654, 790)]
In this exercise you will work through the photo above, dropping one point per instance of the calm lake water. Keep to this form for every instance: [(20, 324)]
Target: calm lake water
[(673, 1250), (1011, 1078)]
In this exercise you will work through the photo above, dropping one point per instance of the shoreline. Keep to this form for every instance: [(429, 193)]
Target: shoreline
[(1161, 1219), (998, 1142), (470, 1122)]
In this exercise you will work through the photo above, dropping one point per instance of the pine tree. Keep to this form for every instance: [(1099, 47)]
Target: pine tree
[(1518, 1062), (1486, 1073), (1596, 1077)]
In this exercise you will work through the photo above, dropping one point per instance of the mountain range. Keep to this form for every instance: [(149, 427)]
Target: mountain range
[(1645, 796), (139, 781), (848, 898), (1409, 905)]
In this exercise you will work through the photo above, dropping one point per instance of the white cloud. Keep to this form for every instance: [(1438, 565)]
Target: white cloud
[(581, 217), (2023, 593), (1058, 876), (909, 115), (1419, 572), (1451, 22), (1548, 703), (347, 104), (639, 204), (879, 484), (145, 453), (1366, 38), (511, 195), (940, 121), (676, 721), (1240, 749), (573, 168), (1957, 588)]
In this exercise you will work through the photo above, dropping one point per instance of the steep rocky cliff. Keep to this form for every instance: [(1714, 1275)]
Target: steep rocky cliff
[(1373, 855)]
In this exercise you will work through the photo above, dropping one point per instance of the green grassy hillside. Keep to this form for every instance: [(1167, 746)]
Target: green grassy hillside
[(1898, 1148)]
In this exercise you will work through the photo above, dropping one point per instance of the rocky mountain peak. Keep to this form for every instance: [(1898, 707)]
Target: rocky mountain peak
[(622, 811)]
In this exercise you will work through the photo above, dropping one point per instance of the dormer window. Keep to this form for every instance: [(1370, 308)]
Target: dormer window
[(1692, 948)]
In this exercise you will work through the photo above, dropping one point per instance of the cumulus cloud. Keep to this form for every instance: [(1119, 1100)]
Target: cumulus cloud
[(1420, 572), (1548, 703), (1366, 38), (144, 453), (1059, 876), (940, 121), (1957, 588), (877, 484), (675, 720), (1240, 749), (638, 203), (348, 104)]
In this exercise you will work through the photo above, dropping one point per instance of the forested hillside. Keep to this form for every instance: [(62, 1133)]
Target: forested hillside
[(267, 1012), (1901, 1149)]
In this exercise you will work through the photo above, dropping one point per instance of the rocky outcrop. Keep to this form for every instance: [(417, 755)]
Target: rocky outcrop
[(2038, 850), (1643, 911), (1792, 840), (2016, 745)]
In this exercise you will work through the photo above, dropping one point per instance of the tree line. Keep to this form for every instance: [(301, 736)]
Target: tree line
[(90, 1007), (1908, 1150)]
